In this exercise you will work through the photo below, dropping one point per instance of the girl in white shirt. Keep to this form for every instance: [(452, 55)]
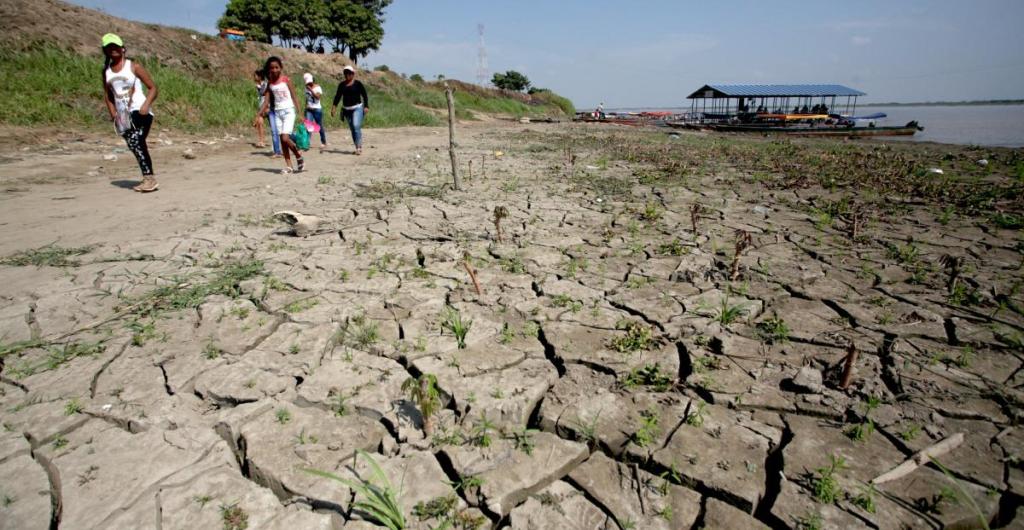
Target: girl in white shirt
[(314, 108), (129, 105), (282, 100)]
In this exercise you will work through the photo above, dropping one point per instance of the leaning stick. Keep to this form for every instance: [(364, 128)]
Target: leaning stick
[(851, 360), (920, 458), (472, 275)]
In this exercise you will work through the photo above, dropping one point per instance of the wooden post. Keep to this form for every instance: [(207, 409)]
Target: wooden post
[(450, 96)]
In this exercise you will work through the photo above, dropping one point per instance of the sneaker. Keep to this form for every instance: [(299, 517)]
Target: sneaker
[(301, 163), (287, 170), (149, 184), (359, 150)]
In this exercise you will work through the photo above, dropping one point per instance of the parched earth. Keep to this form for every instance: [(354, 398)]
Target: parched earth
[(180, 360)]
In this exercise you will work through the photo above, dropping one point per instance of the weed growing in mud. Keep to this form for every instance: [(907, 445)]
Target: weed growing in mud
[(513, 265), (211, 351), (48, 256), (304, 304), (481, 433), (673, 248), (651, 213), (185, 294), (574, 266), (435, 508), (56, 355), (904, 254), (283, 416), (423, 392), (773, 330), (143, 332), (72, 407), (587, 429), (523, 440), (453, 322), (665, 513), (566, 302), (324, 180), (861, 431), (648, 431), (866, 498), (727, 314), (507, 334), (810, 521), (650, 375), (233, 517), (911, 432), (375, 496), (696, 417), (824, 484), (59, 442), (960, 493), (637, 337)]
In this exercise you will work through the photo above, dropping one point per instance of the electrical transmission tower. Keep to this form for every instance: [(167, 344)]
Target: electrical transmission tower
[(481, 58)]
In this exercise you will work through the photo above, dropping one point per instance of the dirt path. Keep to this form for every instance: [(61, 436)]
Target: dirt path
[(179, 358)]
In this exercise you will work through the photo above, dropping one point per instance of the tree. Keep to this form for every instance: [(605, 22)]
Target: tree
[(511, 80), (257, 18), (356, 26)]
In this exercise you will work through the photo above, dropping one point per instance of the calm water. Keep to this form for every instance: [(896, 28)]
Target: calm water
[(994, 125), (998, 125)]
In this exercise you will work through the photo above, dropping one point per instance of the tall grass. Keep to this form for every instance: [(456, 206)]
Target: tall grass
[(49, 86)]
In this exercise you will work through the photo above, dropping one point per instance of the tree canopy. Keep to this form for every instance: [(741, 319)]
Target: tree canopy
[(353, 27), (511, 80)]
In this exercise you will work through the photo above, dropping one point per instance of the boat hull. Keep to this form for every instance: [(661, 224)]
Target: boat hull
[(823, 131)]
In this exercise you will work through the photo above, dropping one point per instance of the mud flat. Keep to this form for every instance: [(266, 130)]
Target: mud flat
[(659, 340)]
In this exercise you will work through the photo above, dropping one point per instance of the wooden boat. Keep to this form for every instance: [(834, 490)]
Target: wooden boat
[(907, 130)]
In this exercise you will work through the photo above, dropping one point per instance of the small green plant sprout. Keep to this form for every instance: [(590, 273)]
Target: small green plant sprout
[(301, 305), (523, 440), (773, 330), (437, 508), (234, 517), (824, 483), (375, 495), (648, 430), (672, 248), (211, 350), (72, 407), (467, 484), (810, 521), (507, 334), (743, 242), (324, 180), (48, 256), (59, 442), (965, 358), (910, 432), (637, 337), (586, 430), (293, 349), (954, 496), (481, 433), (283, 416), (500, 212), (695, 418), (651, 213), (665, 513), (727, 314), (650, 375), (424, 393), (453, 322), (202, 500), (904, 254), (866, 498), (339, 404)]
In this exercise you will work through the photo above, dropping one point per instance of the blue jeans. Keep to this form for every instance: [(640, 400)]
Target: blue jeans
[(274, 136), (354, 118), (317, 115)]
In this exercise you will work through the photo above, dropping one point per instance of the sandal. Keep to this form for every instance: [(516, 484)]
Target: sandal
[(301, 163), (148, 185), (286, 170)]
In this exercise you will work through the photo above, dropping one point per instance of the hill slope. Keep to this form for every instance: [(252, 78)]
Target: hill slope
[(51, 56)]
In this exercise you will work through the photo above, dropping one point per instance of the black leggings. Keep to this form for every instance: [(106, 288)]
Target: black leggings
[(136, 139)]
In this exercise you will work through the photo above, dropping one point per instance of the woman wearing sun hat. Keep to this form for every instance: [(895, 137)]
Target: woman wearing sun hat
[(129, 104), (355, 104)]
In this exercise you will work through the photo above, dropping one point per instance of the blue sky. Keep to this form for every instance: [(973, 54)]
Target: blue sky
[(655, 52)]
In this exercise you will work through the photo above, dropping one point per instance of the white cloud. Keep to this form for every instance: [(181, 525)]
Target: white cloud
[(860, 40)]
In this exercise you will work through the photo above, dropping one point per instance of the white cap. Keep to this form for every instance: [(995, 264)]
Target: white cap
[(348, 68), (307, 78)]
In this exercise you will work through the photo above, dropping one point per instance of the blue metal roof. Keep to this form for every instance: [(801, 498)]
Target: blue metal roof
[(724, 91)]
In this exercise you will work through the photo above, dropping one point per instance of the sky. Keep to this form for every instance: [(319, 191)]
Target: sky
[(653, 53)]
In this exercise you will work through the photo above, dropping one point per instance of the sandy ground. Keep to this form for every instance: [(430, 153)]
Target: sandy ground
[(186, 366)]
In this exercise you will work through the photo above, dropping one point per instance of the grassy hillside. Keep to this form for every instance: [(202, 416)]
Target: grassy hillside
[(60, 87), (50, 62)]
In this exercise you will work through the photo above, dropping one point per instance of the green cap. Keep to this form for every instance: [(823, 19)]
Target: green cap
[(111, 38)]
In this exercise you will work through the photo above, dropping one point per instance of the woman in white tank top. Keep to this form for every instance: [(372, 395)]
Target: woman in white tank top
[(129, 104)]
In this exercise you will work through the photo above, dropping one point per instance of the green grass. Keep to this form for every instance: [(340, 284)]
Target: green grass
[(48, 256), (375, 496), (61, 88)]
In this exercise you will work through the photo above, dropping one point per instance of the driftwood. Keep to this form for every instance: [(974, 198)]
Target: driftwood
[(851, 360), (920, 458)]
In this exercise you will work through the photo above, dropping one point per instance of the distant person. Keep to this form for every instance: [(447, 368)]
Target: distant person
[(282, 101), (260, 81), (354, 105), (314, 109), (600, 111), (129, 105)]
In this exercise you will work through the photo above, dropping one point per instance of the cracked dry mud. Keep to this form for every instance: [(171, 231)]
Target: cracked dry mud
[(614, 375)]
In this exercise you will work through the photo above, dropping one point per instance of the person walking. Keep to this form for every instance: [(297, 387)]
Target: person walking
[(354, 103), (282, 101), (314, 109), (129, 104), (257, 122)]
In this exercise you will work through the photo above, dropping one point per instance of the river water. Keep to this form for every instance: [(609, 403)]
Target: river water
[(989, 125)]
